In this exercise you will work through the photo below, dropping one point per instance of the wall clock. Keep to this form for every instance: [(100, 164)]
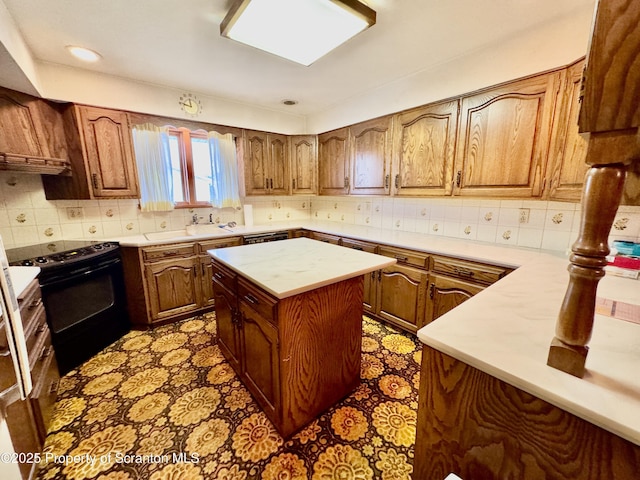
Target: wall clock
[(190, 104)]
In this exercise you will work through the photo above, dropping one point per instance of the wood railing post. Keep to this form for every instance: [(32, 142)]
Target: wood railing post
[(600, 199)]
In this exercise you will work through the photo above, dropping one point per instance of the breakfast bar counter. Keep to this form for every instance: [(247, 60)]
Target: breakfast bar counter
[(289, 319)]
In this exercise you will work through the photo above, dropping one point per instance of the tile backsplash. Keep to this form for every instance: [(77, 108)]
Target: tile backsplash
[(27, 217)]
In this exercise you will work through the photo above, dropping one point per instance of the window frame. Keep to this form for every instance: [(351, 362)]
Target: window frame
[(188, 182)]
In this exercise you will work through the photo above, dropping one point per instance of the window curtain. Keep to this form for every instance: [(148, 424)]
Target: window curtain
[(224, 171), (151, 146)]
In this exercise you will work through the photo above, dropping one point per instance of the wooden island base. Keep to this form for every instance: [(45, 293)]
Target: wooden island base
[(297, 356), (479, 427)]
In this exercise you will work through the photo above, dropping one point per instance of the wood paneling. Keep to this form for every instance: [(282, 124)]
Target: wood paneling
[(424, 149), (479, 427)]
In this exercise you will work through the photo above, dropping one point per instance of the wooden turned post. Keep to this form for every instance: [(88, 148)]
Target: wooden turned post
[(600, 199)]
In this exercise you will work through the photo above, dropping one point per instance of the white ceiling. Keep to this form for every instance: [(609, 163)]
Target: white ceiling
[(177, 44)]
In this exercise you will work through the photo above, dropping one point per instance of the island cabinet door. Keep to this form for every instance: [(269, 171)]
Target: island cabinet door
[(261, 369), (227, 321), (401, 298)]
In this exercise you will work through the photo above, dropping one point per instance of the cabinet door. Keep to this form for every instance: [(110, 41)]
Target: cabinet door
[(278, 164), (504, 138), (371, 157), (256, 158), (370, 279), (228, 333), (333, 162), (447, 293), (424, 151), (402, 294), (566, 176), (109, 152), (304, 164), (261, 359), (206, 269), (173, 286)]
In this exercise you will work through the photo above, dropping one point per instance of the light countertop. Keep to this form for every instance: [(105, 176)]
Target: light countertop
[(21, 277), (506, 329), (290, 267)]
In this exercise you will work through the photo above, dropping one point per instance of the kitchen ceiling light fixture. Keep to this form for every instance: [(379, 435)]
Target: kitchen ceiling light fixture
[(299, 30), (84, 54)]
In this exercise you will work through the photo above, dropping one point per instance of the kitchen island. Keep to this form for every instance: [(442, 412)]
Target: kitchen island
[(289, 317)]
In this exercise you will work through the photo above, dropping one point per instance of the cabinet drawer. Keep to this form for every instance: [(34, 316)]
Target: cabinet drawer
[(407, 257), (220, 243), (153, 254), (474, 272), (359, 245), (224, 276), (36, 337), (256, 299), (325, 237), (30, 303)]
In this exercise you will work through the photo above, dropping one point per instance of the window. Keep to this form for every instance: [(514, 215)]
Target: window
[(190, 167), (182, 168)]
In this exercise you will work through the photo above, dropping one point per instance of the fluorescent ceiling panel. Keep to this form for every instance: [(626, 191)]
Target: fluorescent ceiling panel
[(299, 30)]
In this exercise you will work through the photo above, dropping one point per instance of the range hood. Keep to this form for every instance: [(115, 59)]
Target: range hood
[(32, 136)]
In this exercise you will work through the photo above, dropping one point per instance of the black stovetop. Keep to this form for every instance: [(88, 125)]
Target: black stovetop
[(57, 252)]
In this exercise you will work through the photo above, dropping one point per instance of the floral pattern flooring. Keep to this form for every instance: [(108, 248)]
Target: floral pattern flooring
[(165, 405)]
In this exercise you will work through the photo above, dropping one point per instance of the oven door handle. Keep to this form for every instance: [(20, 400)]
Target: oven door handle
[(74, 274)]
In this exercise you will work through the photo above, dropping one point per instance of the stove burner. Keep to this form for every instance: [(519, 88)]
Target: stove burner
[(53, 254)]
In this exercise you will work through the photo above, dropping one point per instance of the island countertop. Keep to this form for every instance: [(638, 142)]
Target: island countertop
[(298, 265)]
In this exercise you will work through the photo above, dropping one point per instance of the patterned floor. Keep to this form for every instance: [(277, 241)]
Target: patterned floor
[(164, 405)]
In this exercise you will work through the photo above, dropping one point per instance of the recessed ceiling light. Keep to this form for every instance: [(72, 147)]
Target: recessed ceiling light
[(84, 54), (299, 30)]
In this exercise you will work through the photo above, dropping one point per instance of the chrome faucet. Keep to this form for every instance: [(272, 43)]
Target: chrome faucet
[(194, 219)]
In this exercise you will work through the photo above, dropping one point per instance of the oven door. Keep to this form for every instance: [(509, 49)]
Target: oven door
[(86, 310)]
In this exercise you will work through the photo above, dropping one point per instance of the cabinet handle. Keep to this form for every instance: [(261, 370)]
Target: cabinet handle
[(379, 275), (458, 178), (271, 184), (397, 181), (386, 180), (35, 304), (463, 272), (251, 299), (294, 183), (266, 183), (202, 265), (169, 253), (195, 272), (41, 329), (400, 258), (53, 388), (218, 276), (94, 177), (373, 276), (355, 247), (346, 182), (432, 290)]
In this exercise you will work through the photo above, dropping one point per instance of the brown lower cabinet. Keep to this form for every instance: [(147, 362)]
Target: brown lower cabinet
[(297, 356), (169, 282), (27, 420)]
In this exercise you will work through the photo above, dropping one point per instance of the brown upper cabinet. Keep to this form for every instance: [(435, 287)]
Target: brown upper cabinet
[(370, 147), (424, 149), (101, 152), (333, 162), (504, 137), (266, 163), (304, 164), (567, 166), (31, 135)]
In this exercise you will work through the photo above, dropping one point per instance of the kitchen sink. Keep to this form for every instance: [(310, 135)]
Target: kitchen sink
[(166, 235), (208, 229)]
